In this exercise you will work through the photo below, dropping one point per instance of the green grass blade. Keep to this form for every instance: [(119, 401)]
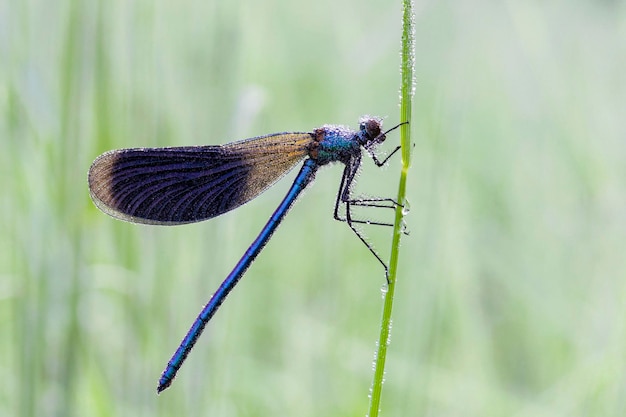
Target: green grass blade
[(408, 60)]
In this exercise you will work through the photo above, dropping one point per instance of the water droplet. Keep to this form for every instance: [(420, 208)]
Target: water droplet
[(388, 341), (406, 207)]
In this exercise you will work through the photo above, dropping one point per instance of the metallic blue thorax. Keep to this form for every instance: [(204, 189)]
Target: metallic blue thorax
[(337, 144)]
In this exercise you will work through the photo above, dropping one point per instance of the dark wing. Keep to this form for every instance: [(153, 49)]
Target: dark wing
[(169, 186)]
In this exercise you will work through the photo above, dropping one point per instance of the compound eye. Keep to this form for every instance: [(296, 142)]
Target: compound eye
[(372, 128)]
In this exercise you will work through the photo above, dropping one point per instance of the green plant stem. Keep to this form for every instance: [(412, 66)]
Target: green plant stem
[(408, 60)]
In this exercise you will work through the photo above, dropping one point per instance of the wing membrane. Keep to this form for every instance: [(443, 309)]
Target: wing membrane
[(179, 185)]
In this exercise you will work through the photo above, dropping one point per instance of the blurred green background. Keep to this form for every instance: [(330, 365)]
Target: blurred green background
[(512, 286)]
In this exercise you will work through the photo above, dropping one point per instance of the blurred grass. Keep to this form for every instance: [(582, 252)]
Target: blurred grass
[(512, 282)]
